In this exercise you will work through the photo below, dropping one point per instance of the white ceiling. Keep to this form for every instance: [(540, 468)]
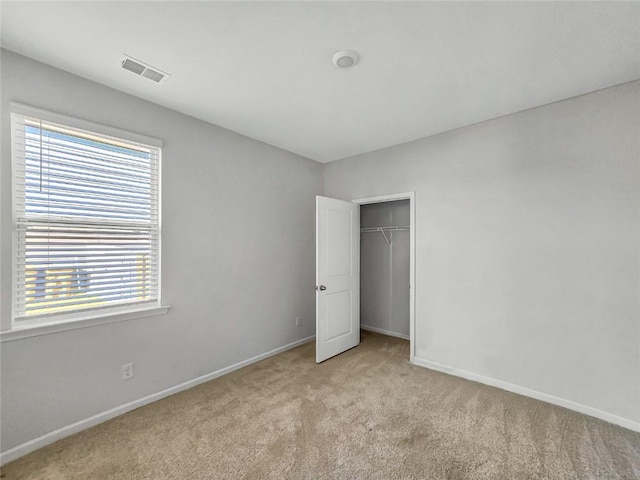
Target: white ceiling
[(264, 69)]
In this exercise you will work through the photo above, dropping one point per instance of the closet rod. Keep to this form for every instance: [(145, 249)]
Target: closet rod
[(384, 229)]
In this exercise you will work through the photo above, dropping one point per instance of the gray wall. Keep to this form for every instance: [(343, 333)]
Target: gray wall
[(384, 268), (237, 258), (527, 245)]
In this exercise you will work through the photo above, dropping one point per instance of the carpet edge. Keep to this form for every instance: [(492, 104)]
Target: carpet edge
[(30, 446), (528, 392)]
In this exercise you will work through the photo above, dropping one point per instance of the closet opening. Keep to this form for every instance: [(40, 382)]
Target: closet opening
[(387, 266)]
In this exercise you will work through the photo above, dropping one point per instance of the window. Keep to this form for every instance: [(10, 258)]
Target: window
[(86, 218)]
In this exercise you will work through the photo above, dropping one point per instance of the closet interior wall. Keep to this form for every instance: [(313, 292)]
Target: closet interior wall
[(384, 268)]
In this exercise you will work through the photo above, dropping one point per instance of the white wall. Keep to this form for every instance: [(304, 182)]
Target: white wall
[(237, 254), (527, 245), (384, 269)]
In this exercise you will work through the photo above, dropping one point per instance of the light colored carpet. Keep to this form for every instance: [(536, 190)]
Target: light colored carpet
[(366, 414)]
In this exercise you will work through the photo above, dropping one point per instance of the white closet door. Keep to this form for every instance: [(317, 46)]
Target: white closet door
[(337, 277)]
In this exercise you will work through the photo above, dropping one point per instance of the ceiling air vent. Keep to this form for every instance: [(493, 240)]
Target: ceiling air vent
[(140, 68)]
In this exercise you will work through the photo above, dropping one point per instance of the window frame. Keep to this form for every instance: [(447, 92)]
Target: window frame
[(81, 318)]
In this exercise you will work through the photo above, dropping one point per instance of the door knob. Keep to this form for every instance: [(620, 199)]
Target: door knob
[(321, 288)]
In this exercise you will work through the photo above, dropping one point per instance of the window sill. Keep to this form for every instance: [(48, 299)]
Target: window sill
[(89, 321)]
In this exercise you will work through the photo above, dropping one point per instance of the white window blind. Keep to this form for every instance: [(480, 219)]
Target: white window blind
[(86, 218)]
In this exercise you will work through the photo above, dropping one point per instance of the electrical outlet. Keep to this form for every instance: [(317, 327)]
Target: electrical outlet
[(297, 321), (127, 371)]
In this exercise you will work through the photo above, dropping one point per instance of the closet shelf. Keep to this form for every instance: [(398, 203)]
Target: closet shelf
[(384, 229)]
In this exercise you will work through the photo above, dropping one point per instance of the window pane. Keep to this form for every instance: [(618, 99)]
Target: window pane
[(71, 176), (68, 267)]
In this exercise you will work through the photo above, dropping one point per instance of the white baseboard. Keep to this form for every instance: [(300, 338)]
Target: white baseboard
[(384, 332), (527, 392), (35, 444)]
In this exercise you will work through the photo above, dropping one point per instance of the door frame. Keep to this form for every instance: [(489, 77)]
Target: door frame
[(412, 255)]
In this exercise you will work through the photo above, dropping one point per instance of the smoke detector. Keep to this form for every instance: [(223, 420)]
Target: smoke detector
[(345, 58), (143, 69)]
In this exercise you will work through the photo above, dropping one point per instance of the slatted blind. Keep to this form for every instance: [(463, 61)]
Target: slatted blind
[(86, 210)]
